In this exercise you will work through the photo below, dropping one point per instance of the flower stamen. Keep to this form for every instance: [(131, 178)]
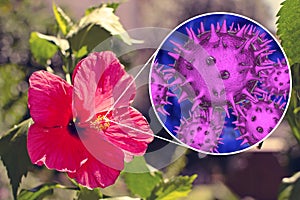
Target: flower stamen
[(101, 123)]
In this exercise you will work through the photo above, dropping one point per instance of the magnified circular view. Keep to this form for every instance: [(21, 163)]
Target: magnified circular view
[(220, 83)]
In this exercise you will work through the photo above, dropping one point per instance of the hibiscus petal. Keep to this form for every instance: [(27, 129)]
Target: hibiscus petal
[(114, 81), (56, 148), (131, 132), (101, 149), (49, 99), (93, 174), (99, 80)]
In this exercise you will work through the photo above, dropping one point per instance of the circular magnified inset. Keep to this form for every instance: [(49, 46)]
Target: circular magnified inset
[(220, 83)]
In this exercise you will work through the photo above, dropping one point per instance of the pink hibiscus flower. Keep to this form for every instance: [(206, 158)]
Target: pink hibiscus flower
[(76, 130)]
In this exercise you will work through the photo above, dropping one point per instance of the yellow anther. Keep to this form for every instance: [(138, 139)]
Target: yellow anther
[(101, 123)]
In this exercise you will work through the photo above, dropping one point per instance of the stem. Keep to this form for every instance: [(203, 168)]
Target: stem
[(68, 78), (293, 108), (293, 126), (66, 187), (73, 181), (15, 127), (69, 66), (49, 69)]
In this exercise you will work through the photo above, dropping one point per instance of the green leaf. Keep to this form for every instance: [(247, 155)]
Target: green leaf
[(41, 48), (63, 20), (95, 27), (81, 52), (13, 153), (285, 192), (290, 188), (87, 194), (122, 198), (39, 192), (177, 187), (62, 44), (142, 184), (293, 114), (138, 164), (113, 5), (88, 37), (288, 29)]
